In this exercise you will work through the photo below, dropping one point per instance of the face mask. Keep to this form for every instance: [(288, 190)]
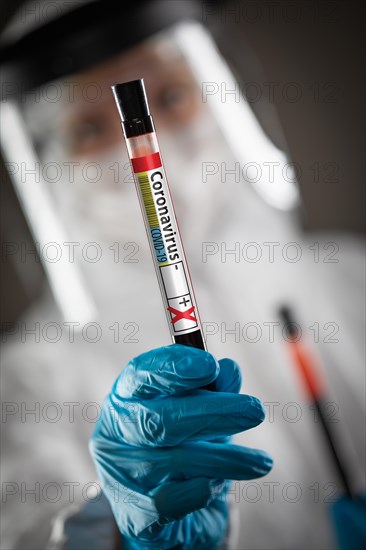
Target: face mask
[(97, 198), (94, 197)]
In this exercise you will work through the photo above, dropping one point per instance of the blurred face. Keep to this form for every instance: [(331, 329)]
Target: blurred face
[(90, 128), (86, 131)]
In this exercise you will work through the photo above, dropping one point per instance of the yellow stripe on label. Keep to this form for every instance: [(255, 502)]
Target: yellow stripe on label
[(147, 197)]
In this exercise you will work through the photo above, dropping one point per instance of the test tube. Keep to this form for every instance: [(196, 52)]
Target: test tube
[(159, 215)]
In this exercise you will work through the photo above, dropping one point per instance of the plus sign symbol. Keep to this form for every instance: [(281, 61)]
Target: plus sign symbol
[(180, 304), (185, 301), (179, 314)]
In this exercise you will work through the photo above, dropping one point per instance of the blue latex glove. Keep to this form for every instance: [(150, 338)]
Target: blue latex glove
[(162, 450), (349, 517)]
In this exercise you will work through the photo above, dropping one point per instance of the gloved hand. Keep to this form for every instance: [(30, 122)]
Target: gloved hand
[(349, 517), (162, 450)]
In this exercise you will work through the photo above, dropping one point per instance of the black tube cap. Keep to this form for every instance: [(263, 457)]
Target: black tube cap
[(131, 100), (287, 317)]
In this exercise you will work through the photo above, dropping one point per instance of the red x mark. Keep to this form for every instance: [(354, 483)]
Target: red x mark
[(187, 314)]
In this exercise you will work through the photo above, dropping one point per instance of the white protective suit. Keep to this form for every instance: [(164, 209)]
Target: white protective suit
[(65, 381)]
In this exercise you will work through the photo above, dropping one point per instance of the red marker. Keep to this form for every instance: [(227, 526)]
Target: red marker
[(315, 388)]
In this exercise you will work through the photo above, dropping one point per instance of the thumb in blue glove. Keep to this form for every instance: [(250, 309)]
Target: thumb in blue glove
[(163, 452)]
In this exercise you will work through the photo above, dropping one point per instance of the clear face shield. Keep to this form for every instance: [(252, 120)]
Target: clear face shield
[(66, 156)]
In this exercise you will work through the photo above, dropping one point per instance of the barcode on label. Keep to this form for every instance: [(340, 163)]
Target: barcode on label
[(148, 200)]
